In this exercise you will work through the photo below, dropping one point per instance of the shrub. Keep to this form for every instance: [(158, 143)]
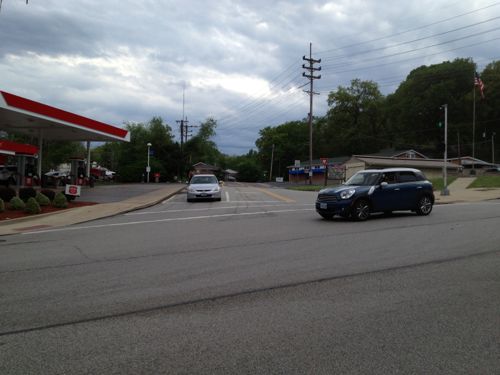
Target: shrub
[(32, 206), (7, 193), (51, 194), (60, 201), (16, 203), (27, 193), (69, 197), (42, 199), (2, 205)]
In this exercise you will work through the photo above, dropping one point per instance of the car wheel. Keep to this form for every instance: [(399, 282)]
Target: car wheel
[(424, 205), (326, 216), (360, 210)]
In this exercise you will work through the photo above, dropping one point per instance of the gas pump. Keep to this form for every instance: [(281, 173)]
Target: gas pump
[(30, 177), (77, 171)]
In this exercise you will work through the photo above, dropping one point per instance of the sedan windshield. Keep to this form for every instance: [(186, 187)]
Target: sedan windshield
[(203, 180), (364, 179)]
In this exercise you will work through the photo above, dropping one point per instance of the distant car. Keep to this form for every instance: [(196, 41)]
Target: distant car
[(377, 190), (56, 174), (56, 178), (109, 175), (493, 170), (203, 187)]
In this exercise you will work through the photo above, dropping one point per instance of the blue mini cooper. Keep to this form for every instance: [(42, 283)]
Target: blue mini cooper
[(377, 190)]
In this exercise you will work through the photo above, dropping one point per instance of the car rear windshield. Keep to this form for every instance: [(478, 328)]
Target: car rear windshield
[(204, 180), (364, 179)]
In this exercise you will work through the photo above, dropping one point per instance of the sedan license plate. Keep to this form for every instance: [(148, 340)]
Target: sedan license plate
[(323, 206), (203, 194)]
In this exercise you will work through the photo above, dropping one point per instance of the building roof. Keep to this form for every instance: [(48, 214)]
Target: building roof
[(469, 160), (331, 161), (404, 162), (391, 152), (201, 165)]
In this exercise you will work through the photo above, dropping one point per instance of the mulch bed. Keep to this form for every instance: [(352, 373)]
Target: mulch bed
[(15, 214)]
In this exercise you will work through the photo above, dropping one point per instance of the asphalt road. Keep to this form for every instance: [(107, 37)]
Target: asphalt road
[(257, 283)]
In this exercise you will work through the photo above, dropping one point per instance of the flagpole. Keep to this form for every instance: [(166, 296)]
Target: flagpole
[(473, 171)]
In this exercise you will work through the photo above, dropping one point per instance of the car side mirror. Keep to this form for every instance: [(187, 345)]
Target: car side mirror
[(383, 184)]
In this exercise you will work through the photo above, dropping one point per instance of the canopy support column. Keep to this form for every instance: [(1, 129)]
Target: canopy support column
[(88, 160), (40, 150)]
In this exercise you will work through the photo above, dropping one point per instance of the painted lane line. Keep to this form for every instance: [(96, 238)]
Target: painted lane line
[(64, 229), (275, 195), (168, 200), (212, 208), (227, 196)]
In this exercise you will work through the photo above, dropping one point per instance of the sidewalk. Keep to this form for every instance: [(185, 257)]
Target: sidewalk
[(459, 192), (87, 213)]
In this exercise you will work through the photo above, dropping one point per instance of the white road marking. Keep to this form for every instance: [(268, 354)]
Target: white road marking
[(212, 208), (168, 200), (227, 196), (64, 229)]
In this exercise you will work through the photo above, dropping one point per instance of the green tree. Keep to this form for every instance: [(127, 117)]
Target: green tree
[(132, 156), (414, 110), (291, 142), (247, 166), (201, 147), (55, 153), (354, 119)]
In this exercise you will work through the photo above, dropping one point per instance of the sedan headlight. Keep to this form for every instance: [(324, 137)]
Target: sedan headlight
[(346, 194)]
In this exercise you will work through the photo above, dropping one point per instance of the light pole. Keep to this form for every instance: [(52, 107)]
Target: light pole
[(445, 190), (493, 147), (148, 168)]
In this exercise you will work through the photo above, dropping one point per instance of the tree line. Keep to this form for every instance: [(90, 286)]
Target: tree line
[(359, 120)]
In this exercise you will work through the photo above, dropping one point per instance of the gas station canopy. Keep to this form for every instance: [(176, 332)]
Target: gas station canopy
[(14, 148), (24, 116)]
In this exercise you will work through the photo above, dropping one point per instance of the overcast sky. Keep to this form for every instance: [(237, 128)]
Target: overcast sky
[(239, 62)]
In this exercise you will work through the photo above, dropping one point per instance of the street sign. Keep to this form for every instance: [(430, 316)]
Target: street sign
[(148, 169), (73, 190), (324, 161), (297, 163)]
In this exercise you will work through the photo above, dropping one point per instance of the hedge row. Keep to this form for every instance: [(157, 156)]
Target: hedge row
[(29, 200)]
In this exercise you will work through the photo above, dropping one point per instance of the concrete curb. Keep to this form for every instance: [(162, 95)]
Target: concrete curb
[(84, 214)]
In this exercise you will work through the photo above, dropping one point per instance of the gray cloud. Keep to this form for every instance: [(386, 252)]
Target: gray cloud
[(239, 61)]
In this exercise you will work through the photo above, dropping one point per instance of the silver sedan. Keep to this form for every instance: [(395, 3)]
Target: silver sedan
[(203, 186)]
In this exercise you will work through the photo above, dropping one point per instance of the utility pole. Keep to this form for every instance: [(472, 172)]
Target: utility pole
[(272, 161), (184, 127), (310, 75), (445, 190), (493, 147)]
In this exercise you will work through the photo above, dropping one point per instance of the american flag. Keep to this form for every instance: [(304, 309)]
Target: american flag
[(478, 82)]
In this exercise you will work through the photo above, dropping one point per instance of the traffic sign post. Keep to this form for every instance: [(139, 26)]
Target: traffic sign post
[(324, 161)]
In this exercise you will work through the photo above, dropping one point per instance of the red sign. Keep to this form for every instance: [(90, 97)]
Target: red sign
[(324, 161)]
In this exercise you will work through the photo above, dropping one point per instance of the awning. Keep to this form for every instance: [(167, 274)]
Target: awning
[(24, 116)]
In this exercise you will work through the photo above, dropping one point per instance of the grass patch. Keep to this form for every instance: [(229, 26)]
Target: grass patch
[(307, 187), (485, 182), (438, 182)]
